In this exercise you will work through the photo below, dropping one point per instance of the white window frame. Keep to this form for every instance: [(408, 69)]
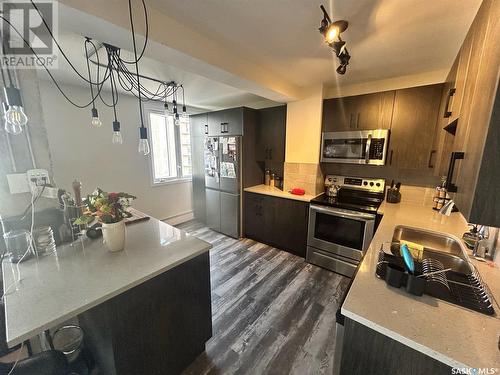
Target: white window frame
[(172, 180)]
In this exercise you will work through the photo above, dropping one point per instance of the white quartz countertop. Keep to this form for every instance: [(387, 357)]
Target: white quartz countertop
[(55, 288), (275, 192), (449, 333)]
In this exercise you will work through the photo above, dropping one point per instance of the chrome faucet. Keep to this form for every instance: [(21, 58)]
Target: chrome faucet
[(447, 208), (480, 249)]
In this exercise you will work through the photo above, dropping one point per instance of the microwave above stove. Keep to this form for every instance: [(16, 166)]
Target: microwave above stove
[(355, 147)]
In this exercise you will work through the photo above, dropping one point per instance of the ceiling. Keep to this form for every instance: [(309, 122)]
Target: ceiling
[(386, 38), (229, 53)]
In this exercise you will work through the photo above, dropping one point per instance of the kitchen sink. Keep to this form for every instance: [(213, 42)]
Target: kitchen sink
[(460, 285), (439, 246)]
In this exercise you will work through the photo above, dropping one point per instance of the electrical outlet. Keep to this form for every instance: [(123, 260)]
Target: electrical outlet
[(37, 177), (18, 183)]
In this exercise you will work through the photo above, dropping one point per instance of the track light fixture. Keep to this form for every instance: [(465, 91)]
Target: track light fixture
[(331, 32)]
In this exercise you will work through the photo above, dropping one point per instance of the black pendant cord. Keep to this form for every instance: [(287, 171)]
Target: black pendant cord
[(183, 98), (146, 22), (88, 70), (3, 77), (113, 91), (136, 62), (59, 47), (40, 61), (146, 94), (6, 66), (114, 100)]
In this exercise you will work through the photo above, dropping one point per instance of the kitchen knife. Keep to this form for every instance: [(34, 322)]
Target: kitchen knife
[(392, 184), (398, 186)]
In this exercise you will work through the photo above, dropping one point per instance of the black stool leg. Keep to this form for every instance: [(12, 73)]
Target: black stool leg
[(49, 338), (27, 343)]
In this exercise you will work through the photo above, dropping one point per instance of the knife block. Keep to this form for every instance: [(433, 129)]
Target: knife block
[(393, 195)]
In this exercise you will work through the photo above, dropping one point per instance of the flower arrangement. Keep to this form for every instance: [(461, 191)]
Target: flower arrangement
[(108, 208)]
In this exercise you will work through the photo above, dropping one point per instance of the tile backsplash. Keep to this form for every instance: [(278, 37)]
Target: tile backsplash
[(307, 176)]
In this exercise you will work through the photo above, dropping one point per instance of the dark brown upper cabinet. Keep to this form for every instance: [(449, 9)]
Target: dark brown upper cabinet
[(460, 70), (270, 134), (361, 112), (413, 129), (226, 122), (477, 176)]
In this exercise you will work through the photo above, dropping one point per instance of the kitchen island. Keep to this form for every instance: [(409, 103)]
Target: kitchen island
[(146, 309), (408, 334)]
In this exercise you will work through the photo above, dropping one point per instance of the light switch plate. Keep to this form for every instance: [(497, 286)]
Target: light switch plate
[(18, 183)]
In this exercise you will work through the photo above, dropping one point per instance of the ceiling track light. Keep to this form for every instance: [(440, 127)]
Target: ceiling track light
[(331, 32)]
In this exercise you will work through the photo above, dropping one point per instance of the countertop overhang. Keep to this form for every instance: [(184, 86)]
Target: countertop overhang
[(57, 287), (456, 336)]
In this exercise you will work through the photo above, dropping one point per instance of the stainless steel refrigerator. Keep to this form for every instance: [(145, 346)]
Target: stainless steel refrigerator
[(222, 156)]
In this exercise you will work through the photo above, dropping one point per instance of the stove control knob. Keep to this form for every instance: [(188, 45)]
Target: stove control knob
[(371, 183), (378, 184), (365, 183)]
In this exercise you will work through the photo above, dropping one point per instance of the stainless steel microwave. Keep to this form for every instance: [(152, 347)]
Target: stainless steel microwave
[(355, 147)]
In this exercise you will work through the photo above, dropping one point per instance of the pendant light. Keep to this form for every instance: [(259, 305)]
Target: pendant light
[(95, 122), (13, 110), (143, 141), (128, 79), (184, 111), (117, 138), (14, 116)]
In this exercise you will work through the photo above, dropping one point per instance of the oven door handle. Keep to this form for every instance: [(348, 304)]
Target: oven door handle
[(367, 150), (343, 213)]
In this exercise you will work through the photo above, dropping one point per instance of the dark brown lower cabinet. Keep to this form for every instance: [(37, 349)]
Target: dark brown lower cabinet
[(278, 222), (366, 351)]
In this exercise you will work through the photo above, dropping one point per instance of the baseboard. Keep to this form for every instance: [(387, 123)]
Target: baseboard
[(180, 218)]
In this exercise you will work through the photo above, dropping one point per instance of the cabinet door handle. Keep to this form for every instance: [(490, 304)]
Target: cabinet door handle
[(450, 186), (357, 120), (270, 154), (390, 157), (431, 154), (206, 129), (447, 112), (350, 121)]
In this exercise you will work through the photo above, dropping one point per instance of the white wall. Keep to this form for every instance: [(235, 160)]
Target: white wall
[(81, 152), (303, 128)]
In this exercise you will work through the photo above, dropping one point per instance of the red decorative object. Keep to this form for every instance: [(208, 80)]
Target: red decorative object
[(298, 191)]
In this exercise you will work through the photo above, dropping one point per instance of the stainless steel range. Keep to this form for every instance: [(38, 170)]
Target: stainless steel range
[(341, 227)]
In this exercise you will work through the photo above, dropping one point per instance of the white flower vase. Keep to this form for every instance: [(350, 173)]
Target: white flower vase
[(114, 236)]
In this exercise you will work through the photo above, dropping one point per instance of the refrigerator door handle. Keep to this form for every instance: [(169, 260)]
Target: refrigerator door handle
[(217, 176)]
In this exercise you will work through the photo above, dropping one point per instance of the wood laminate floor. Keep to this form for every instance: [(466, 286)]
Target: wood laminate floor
[(273, 313)]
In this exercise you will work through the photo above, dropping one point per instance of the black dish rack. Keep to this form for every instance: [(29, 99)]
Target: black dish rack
[(466, 290)]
